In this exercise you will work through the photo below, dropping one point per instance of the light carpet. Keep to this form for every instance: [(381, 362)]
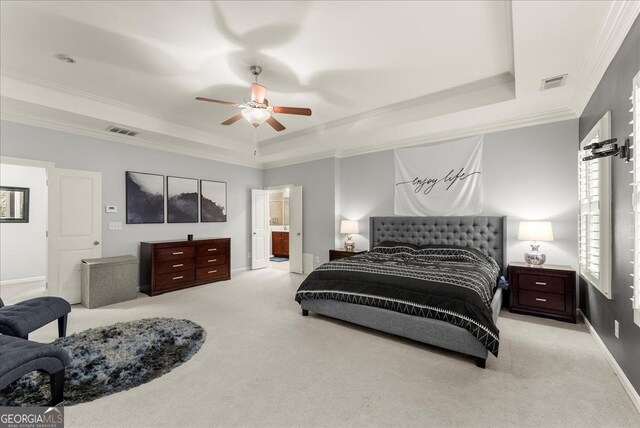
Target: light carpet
[(265, 365)]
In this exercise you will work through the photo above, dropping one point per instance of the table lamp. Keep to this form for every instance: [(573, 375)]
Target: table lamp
[(349, 227), (535, 231)]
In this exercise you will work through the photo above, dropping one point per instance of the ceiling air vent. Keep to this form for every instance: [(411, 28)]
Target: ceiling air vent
[(553, 82), (122, 131)]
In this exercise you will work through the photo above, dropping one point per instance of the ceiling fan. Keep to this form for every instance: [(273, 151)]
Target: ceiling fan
[(257, 111)]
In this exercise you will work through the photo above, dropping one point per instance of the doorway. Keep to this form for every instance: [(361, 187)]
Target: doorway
[(23, 228), (72, 229), (276, 228), (279, 228)]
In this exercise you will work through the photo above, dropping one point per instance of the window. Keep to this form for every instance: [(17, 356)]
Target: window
[(635, 111), (594, 226)]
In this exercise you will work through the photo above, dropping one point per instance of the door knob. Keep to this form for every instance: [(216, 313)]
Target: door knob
[(254, 233), (298, 233), (96, 242)]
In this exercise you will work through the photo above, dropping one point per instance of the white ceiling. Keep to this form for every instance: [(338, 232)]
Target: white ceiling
[(376, 74)]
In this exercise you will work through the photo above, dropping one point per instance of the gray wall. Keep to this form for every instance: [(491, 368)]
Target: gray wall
[(612, 94), (529, 174), (113, 159), (318, 181)]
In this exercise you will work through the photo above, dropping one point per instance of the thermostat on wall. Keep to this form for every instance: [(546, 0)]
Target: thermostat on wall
[(110, 209)]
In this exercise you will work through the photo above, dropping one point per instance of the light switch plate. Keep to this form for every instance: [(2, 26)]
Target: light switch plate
[(110, 209), (115, 225)]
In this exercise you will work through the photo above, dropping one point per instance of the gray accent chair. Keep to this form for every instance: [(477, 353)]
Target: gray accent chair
[(20, 356), (22, 318)]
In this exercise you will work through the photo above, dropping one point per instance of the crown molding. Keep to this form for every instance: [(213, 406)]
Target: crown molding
[(31, 80), (42, 122), (498, 80), (524, 121), (613, 30)]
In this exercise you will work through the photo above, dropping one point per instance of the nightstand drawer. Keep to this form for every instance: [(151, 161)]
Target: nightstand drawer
[(537, 299), (546, 284)]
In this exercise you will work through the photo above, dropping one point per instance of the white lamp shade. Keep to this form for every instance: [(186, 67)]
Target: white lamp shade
[(255, 116), (535, 231), (349, 226)]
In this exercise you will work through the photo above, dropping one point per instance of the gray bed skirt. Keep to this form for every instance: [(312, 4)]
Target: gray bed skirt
[(425, 330)]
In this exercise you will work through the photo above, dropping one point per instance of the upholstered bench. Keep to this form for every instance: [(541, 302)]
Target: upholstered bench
[(20, 356), (22, 318)]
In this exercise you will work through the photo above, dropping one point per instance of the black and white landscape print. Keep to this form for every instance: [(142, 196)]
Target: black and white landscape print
[(182, 200), (213, 201), (145, 197)]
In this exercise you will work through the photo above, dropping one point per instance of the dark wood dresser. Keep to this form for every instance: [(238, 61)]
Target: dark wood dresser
[(280, 244), (547, 290), (172, 265)]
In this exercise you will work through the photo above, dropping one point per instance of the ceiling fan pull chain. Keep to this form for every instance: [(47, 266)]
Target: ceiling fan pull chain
[(255, 141)]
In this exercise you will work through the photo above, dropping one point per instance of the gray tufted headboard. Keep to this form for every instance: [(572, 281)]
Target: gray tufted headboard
[(488, 233)]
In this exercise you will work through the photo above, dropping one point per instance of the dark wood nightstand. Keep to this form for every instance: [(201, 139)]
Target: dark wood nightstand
[(340, 254), (547, 290)]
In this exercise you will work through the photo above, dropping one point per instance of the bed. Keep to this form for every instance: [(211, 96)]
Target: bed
[(430, 241)]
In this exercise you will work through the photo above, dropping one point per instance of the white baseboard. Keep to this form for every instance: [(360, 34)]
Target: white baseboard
[(17, 290), (242, 269), (624, 380), (33, 280)]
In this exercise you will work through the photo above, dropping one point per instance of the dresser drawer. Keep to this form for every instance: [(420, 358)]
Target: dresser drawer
[(211, 260), (175, 253), (537, 299), (546, 284), (212, 273), (175, 265), (171, 280), (212, 248)]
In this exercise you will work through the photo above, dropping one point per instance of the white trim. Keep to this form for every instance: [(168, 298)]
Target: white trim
[(242, 269), (34, 279), (613, 30), (636, 317), (140, 141), (624, 380)]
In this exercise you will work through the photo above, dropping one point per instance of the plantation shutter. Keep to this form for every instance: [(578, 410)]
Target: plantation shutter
[(594, 249), (635, 112)]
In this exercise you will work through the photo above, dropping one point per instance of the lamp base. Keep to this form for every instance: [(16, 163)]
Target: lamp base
[(349, 245), (535, 257)]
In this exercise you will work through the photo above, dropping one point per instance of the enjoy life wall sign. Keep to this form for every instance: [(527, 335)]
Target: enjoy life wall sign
[(440, 179)]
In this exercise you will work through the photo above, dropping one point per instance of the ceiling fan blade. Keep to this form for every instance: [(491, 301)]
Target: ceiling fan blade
[(293, 110), (257, 93), (275, 124), (229, 103), (233, 119)]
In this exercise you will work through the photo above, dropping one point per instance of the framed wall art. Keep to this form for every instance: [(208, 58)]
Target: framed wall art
[(144, 197), (182, 200), (14, 204), (213, 201)]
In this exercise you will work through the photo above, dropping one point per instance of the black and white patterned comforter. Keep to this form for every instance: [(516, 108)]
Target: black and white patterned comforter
[(449, 284)]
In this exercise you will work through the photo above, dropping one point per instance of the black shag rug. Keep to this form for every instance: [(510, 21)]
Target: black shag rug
[(111, 359)]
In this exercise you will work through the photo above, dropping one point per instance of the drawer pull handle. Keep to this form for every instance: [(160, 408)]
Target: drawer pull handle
[(540, 300), (181, 264), (541, 283), (178, 252), (211, 249), (213, 271), (178, 277), (212, 260)]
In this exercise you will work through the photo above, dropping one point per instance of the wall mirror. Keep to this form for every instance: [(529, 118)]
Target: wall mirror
[(14, 204)]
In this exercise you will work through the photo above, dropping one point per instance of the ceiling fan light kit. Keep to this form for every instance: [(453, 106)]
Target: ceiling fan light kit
[(255, 116), (258, 111)]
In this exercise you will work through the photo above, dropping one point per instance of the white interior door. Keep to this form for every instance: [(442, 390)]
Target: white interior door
[(75, 228), (295, 230), (259, 228)]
